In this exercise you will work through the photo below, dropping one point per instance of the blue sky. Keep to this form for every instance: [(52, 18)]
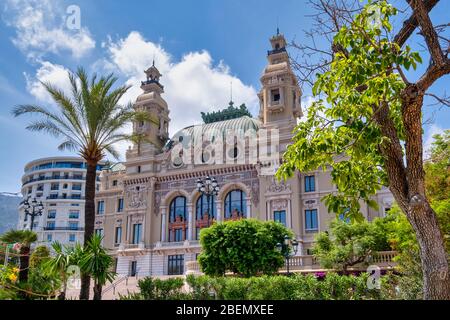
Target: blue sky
[(200, 47)]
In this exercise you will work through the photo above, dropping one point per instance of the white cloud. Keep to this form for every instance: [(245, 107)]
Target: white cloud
[(191, 85), (428, 140), (41, 28), (55, 74)]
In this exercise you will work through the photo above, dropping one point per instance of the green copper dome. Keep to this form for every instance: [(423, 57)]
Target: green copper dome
[(209, 131)]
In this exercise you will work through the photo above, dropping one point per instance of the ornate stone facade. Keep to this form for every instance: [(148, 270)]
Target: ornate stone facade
[(156, 233)]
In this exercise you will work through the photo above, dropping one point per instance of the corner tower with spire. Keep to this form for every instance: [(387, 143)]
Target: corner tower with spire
[(154, 131), (280, 94)]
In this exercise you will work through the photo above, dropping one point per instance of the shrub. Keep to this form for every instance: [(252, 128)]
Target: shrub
[(296, 287), (246, 247), (157, 289)]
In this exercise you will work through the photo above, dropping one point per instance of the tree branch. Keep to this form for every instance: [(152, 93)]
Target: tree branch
[(428, 31), (411, 24), (433, 73)]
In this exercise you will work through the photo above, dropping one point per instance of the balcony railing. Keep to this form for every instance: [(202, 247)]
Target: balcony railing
[(56, 178), (269, 52), (63, 229), (65, 198)]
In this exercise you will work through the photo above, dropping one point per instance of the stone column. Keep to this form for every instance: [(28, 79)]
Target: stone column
[(190, 221), (163, 224), (288, 214), (249, 208), (219, 217), (128, 238)]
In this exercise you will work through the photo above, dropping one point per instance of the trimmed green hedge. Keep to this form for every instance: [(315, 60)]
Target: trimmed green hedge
[(295, 287)]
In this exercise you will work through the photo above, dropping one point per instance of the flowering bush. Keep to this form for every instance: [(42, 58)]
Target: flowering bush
[(8, 274)]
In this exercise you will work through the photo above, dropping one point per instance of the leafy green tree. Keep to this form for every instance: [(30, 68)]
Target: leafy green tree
[(366, 125), (246, 247), (347, 244), (25, 238), (437, 181), (90, 122), (96, 262)]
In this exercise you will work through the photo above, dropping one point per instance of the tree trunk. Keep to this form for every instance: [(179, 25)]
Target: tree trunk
[(97, 291), (24, 263), (89, 221), (433, 255), (62, 294)]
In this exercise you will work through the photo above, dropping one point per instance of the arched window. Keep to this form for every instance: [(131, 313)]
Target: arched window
[(177, 220), (178, 209), (235, 205), (202, 207), (205, 213)]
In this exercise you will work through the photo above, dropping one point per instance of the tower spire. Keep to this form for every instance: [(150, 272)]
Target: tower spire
[(278, 28), (231, 92)]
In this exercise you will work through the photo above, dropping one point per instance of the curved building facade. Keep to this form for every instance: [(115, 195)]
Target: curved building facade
[(59, 182)]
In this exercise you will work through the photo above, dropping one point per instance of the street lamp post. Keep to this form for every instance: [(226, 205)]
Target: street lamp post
[(33, 209), (209, 187), (288, 249)]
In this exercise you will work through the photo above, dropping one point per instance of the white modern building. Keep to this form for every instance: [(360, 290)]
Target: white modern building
[(59, 183)]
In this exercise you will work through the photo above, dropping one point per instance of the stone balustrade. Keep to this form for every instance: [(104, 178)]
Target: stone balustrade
[(308, 263)]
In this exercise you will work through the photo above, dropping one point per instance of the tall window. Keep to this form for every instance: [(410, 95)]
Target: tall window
[(177, 219), (50, 225), (120, 205), (310, 184), (311, 222), (202, 207), (49, 237), (204, 213), (137, 231), (99, 232), (51, 214), (235, 204), (73, 225), (178, 209), (118, 235), (72, 237), (74, 214), (76, 186), (101, 207), (275, 94), (176, 264), (280, 216)]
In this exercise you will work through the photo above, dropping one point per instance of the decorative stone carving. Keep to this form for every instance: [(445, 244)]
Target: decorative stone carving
[(233, 177), (157, 203), (310, 203), (176, 185), (278, 187), (137, 196), (255, 192), (279, 204)]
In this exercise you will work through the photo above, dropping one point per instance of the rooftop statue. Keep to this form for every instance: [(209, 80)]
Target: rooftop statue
[(226, 114)]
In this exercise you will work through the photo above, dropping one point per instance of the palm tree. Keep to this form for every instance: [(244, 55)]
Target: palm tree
[(97, 262), (25, 238), (58, 264), (89, 121)]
